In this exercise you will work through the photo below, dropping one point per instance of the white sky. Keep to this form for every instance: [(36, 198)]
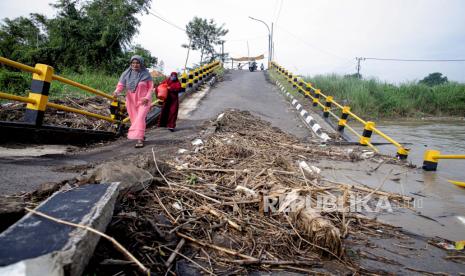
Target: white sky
[(311, 36)]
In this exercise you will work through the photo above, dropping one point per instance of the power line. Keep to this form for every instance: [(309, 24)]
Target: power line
[(311, 45), (279, 12), (168, 22), (359, 59), (414, 60), (247, 38)]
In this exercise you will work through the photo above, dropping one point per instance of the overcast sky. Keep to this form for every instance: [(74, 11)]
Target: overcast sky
[(311, 36)]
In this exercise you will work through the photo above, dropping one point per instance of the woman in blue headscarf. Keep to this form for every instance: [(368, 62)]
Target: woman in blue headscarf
[(137, 82)]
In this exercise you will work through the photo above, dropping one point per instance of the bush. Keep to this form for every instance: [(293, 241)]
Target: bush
[(16, 83), (375, 99)]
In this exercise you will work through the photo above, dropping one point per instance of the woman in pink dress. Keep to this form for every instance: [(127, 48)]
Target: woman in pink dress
[(137, 83)]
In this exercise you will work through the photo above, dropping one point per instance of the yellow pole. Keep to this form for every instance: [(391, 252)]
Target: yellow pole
[(450, 156), (40, 87), (17, 98), (21, 66), (82, 112), (366, 135), (343, 120)]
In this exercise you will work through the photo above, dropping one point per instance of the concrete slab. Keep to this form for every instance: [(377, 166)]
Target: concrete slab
[(34, 150), (34, 242)]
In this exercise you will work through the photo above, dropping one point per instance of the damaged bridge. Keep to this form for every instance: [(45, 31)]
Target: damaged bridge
[(225, 193)]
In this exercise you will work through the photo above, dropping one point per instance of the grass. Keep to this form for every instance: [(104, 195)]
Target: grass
[(18, 83), (374, 99), (102, 82)]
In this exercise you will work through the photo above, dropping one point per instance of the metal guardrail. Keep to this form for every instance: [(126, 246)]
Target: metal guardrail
[(43, 75), (431, 158), (316, 95)]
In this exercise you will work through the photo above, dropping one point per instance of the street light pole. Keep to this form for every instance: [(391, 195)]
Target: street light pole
[(269, 38)]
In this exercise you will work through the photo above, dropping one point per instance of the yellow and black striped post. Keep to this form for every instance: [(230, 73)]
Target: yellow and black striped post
[(301, 85), (183, 81), (294, 82), (343, 121), (316, 99), (116, 112), (402, 153), (366, 135), (40, 87), (430, 163), (327, 107), (290, 77), (200, 73), (190, 81), (196, 75), (308, 88)]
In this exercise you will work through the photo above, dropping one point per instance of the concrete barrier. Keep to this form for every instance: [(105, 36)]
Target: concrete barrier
[(307, 118), (37, 246)]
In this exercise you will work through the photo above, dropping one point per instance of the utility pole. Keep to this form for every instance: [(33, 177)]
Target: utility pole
[(269, 37), (271, 42), (222, 51), (358, 66)]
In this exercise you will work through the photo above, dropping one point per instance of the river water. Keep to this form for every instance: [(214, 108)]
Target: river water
[(441, 201)]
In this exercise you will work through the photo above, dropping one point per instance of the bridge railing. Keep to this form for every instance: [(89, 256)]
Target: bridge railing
[(37, 100), (43, 75), (316, 96)]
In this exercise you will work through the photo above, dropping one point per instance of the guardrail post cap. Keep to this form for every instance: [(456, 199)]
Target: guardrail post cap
[(370, 125), (47, 72), (429, 162), (402, 153)]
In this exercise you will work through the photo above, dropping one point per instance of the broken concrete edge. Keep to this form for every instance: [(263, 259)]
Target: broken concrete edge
[(76, 253), (309, 121)]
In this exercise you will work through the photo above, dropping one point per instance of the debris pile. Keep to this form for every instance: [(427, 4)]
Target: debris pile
[(15, 112), (244, 199)]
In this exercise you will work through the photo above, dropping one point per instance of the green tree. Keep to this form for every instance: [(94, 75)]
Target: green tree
[(434, 79), (204, 35), (84, 35), (21, 38)]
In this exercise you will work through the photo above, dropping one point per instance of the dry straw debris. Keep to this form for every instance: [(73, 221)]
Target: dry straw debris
[(209, 209)]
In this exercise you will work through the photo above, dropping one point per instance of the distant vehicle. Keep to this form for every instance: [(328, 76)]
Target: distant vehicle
[(252, 66)]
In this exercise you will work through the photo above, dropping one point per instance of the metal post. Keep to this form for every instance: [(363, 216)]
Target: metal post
[(366, 135), (40, 87), (272, 43), (183, 81), (222, 51), (316, 99), (343, 120), (327, 107), (269, 38)]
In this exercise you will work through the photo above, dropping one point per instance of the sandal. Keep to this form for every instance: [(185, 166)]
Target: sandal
[(139, 144)]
